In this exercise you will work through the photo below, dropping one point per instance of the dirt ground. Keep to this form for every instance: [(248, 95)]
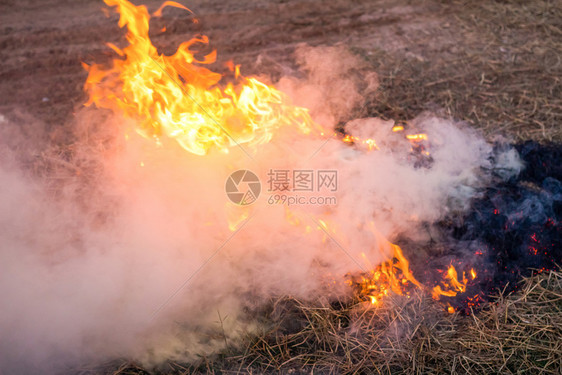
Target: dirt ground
[(495, 64)]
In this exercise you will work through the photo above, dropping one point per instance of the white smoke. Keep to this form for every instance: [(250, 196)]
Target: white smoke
[(123, 248)]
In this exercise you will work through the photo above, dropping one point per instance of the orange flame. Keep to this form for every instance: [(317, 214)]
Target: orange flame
[(177, 97), (392, 275), (451, 285), (417, 137), (370, 143)]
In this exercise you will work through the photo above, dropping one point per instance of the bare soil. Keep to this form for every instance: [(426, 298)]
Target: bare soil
[(494, 64)]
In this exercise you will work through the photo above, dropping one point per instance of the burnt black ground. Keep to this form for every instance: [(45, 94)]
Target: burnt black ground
[(514, 230)]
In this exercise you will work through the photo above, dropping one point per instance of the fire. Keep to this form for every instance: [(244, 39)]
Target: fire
[(392, 275), (451, 285), (178, 97), (417, 137), (175, 96), (370, 143)]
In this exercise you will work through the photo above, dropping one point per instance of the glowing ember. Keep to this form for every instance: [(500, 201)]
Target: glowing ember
[(417, 137), (370, 143)]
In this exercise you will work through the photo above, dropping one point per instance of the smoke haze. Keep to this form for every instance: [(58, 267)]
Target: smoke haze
[(120, 247)]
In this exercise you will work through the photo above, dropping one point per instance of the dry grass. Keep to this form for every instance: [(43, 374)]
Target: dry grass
[(505, 78), (519, 333), (516, 334)]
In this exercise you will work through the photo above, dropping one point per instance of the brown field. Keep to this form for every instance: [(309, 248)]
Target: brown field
[(494, 64)]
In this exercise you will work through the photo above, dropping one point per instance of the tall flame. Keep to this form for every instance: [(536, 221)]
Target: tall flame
[(177, 97)]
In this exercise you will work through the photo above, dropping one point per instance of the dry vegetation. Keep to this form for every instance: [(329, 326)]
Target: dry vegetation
[(517, 334), (504, 76), (501, 72), (495, 64)]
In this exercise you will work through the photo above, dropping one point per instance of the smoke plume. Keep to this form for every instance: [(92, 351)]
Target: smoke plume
[(115, 246)]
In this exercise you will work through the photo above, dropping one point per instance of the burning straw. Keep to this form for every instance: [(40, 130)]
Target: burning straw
[(517, 333)]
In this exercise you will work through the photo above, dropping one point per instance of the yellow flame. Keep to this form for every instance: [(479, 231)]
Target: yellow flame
[(393, 275), (451, 285), (371, 144), (177, 97), (417, 137), (236, 215), (291, 217)]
